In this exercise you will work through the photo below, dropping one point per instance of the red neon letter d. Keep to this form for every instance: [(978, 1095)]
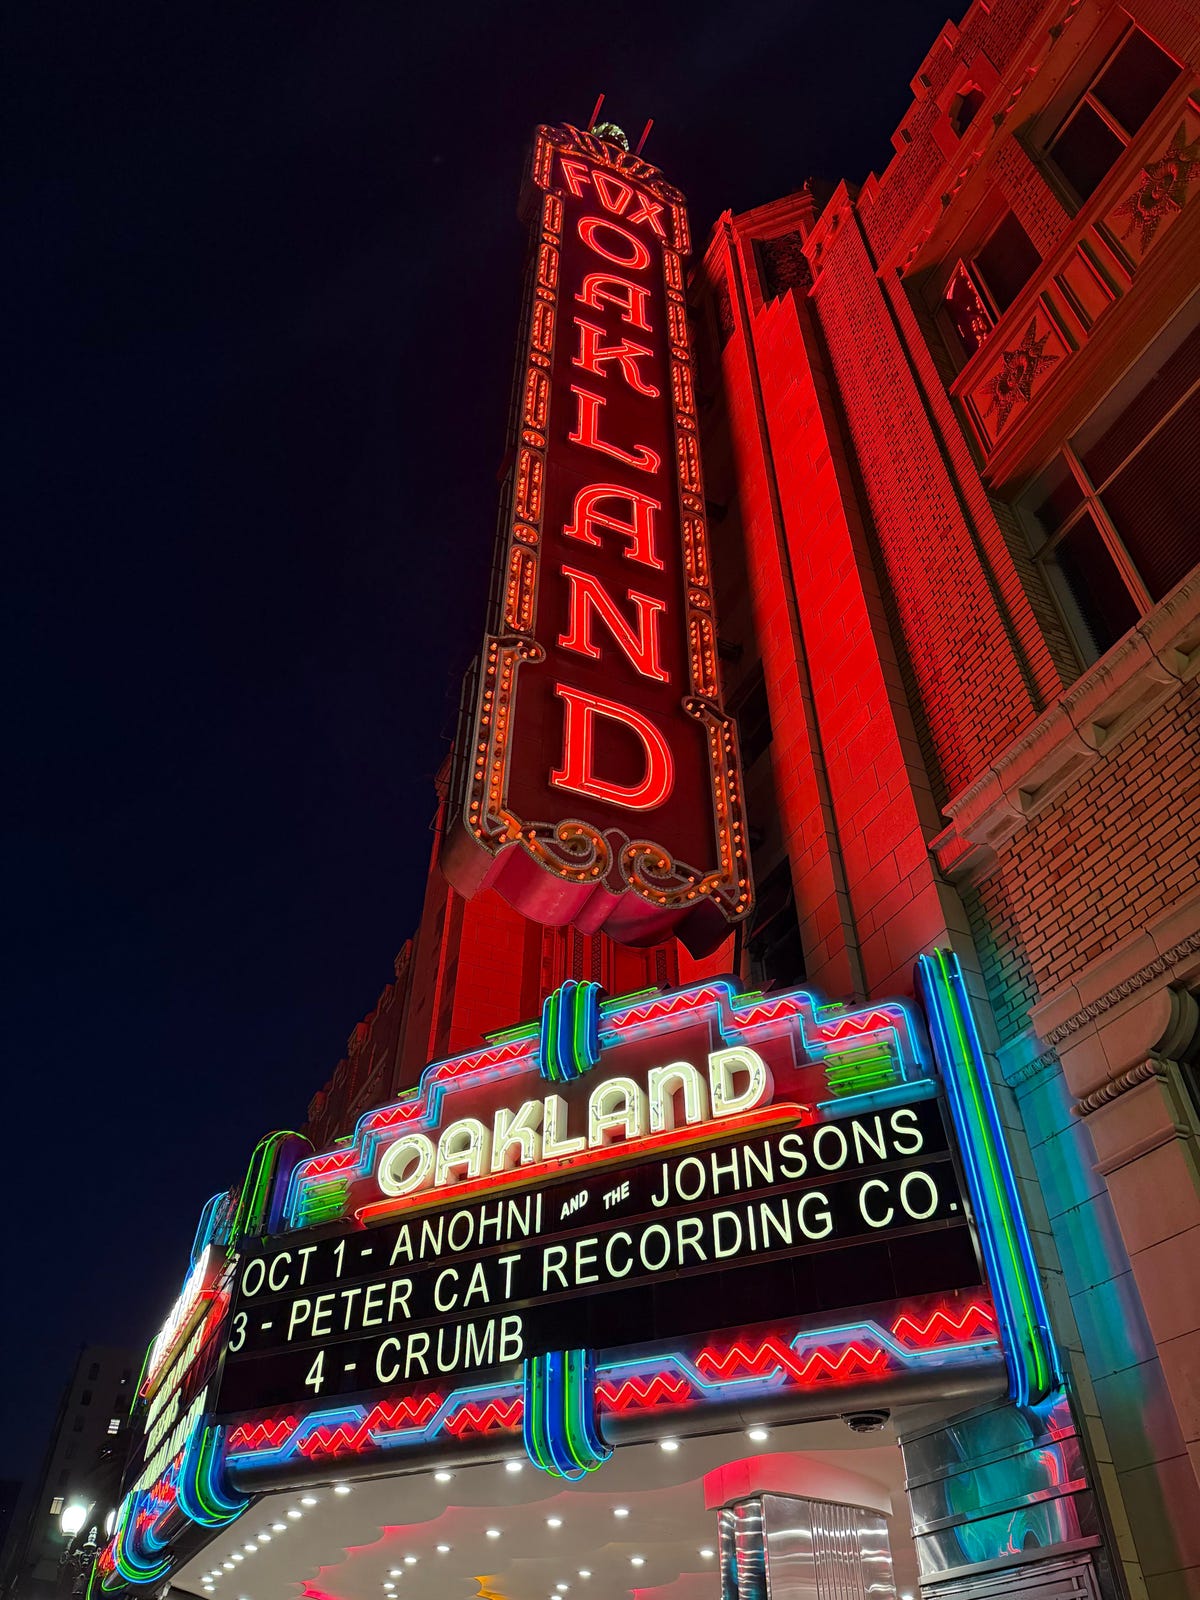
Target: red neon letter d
[(579, 737)]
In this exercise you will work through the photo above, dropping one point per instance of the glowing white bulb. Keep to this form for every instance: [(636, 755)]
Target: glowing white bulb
[(279, 1527), (562, 1587), (554, 1522), (669, 1445), (410, 1561), (443, 1549), (637, 1561), (443, 1476), (493, 1533), (757, 1434), (395, 1572), (620, 1511), (585, 1572), (295, 1513), (514, 1466), (308, 1499), (341, 1488), (73, 1517), (228, 1565), (264, 1538), (238, 1556), (707, 1555)]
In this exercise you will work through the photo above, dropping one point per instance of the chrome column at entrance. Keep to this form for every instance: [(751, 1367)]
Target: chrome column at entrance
[(782, 1547)]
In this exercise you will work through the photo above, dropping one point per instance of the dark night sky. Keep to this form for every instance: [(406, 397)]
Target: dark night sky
[(264, 273)]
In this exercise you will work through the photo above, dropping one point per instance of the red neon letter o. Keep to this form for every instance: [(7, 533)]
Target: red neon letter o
[(588, 227)]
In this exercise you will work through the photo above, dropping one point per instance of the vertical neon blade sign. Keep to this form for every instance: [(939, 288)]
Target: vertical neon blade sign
[(597, 779), (1003, 1231)]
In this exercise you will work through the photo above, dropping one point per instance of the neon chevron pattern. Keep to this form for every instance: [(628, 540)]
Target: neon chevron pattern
[(935, 1336), (569, 1039), (1003, 1233), (559, 1414)]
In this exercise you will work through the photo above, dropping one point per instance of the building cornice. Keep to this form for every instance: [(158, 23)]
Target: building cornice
[(1084, 725)]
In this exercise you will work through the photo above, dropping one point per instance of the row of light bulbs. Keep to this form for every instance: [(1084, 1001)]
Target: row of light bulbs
[(757, 1435)]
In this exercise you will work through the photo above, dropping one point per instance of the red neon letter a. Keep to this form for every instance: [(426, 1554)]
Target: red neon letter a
[(586, 517), (579, 738), (588, 594)]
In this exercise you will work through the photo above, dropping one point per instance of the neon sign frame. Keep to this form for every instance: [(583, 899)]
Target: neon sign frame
[(573, 867)]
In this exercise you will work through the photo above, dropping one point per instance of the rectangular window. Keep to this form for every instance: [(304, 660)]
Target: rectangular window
[(1091, 137), (1113, 518), (56, 1505), (981, 289), (114, 1426)]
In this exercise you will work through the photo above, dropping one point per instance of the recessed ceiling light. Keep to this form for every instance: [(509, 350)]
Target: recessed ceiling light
[(637, 1561), (668, 1444), (443, 1549), (562, 1587), (238, 1556), (707, 1555), (620, 1511), (308, 1499), (554, 1522), (514, 1466), (295, 1513), (395, 1572), (279, 1527), (264, 1538), (493, 1533), (758, 1434), (341, 1488), (228, 1565), (584, 1572), (443, 1476), (389, 1586), (410, 1561)]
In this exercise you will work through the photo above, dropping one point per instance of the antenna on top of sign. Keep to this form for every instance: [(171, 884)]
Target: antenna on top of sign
[(645, 135), (606, 130)]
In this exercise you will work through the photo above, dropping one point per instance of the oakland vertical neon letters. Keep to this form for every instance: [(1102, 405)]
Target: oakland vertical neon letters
[(589, 231), (593, 355), (587, 433), (604, 288), (589, 595), (577, 773), (586, 517)]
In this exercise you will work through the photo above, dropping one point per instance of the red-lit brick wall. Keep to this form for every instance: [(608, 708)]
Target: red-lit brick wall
[(1117, 848)]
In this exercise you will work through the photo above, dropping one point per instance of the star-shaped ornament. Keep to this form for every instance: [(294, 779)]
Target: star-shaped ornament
[(1019, 369), (1162, 189)]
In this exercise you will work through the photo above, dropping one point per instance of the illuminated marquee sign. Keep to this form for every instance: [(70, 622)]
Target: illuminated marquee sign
[(663, 1188), (598, 778), (686, 1209)]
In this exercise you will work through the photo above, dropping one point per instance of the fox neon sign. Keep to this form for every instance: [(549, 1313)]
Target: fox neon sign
[(598, 780)]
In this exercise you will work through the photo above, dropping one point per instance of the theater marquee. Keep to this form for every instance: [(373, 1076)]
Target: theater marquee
[(598, 779), (689, 1209)]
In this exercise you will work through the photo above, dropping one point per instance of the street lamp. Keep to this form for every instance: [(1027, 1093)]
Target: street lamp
[(74, 1515)]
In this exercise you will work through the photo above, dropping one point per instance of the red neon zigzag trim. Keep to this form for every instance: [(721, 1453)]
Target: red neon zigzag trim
[(944, 1325), (873, 1022), (646, 1392), (474, 1418), (773, 1354)]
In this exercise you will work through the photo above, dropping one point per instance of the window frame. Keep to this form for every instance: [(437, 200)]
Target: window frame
[(1091, 504), (1069, 107)]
